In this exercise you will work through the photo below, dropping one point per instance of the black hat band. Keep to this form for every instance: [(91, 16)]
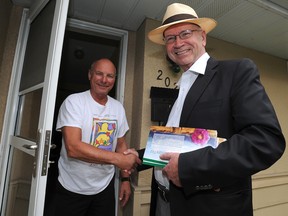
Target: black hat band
[(178, 17)]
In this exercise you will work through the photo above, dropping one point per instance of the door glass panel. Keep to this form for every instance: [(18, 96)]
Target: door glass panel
[(19, 184), (28, 116), (22, 163), (37, 48)]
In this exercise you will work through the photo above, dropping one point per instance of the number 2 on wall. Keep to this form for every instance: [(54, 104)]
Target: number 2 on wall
[(167, 80)]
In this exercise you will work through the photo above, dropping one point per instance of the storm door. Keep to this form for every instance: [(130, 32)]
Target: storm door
[(33, 93)]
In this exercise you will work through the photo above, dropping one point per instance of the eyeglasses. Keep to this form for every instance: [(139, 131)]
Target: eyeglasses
[(169, 39)]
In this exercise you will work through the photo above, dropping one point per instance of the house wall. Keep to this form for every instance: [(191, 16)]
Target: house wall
[(9, 23), (146, 67)]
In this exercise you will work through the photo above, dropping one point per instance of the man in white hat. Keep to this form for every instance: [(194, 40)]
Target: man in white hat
[(226, 96)]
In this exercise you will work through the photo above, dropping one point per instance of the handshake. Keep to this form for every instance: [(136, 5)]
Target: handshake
[(128, 160)]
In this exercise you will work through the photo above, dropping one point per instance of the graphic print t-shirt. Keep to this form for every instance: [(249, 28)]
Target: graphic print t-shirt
[(103, 133), (100, 126)]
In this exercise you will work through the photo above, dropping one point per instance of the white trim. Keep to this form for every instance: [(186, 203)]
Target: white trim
[(122, 68), (20, 143), (271, 6), (36, 7), (31, 89)]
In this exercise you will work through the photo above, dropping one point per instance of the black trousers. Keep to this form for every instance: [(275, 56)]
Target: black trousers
[(67, 203)]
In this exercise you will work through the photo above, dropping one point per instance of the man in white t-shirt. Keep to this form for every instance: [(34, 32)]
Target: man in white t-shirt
[(93, 127)]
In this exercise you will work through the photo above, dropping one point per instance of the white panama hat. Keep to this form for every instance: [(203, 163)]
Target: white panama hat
[(180, 13)]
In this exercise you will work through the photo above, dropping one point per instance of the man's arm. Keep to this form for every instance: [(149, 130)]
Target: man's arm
[(88, 153)]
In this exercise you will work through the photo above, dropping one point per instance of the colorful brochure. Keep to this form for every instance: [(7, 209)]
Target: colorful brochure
[(176, 139)]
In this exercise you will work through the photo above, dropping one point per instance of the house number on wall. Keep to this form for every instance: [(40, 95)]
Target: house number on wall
[(167, 81)]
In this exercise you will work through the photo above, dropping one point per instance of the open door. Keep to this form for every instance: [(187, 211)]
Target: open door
[(30, 110)]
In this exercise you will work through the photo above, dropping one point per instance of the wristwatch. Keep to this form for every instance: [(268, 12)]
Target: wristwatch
[(125, 179)]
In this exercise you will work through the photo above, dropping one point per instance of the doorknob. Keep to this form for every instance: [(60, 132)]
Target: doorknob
[(50, 162), (53, 146), (30, 147)]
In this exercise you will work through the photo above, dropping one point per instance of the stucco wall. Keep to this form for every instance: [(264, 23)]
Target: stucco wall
[(5, 11), (8, 41)]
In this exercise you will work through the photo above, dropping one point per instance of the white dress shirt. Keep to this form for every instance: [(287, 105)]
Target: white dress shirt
[(185, 82)]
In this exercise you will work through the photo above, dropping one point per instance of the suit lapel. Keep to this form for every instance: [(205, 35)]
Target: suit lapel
[(197, 90)]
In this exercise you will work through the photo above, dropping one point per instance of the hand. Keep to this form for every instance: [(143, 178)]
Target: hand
[(128, 162), (127, 152), (125, 192), (131, 151), (171, 169)]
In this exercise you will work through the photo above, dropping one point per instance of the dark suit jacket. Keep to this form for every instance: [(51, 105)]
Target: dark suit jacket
[(229, 98)]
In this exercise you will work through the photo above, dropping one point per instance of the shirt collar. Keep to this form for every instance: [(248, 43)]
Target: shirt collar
[(200, 65)]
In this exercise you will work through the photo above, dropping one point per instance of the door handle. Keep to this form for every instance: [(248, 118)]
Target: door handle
[(53, 146), (30, 147)]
